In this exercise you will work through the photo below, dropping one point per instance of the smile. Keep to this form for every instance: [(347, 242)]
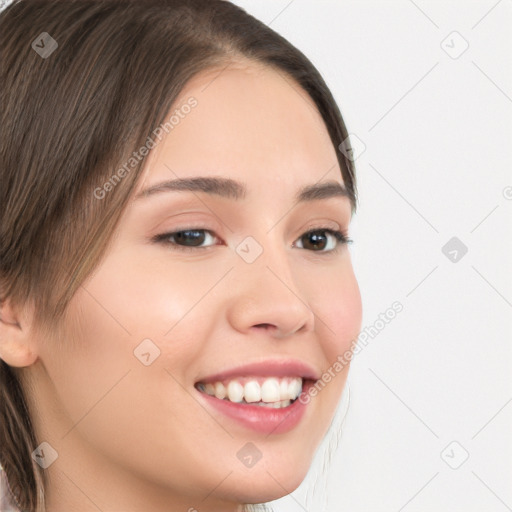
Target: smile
[(262, 397), (272, 392)]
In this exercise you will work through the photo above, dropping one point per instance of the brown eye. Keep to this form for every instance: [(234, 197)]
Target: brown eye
[(323, 240), (190, 237), (187, 239), (315, 240)]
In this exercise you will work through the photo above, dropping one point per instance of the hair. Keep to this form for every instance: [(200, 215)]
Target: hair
[(69, 119)]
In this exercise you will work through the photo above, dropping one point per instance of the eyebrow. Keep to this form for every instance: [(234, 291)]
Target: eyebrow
[(232, 189)]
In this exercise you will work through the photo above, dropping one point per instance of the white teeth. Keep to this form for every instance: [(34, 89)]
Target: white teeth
[(283, 389), (270, 392), (294, 388), (276, 405), (220, 390), (252, 391), (235, 391)]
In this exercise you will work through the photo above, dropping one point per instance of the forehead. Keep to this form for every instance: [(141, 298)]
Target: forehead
[(250, 122)]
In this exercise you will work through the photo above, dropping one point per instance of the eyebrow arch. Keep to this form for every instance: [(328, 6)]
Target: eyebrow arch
[(232, 189)]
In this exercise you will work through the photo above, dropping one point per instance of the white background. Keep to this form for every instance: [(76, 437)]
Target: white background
[(437, 164)]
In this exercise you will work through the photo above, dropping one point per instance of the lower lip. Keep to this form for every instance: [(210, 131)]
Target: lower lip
[(262, 419)]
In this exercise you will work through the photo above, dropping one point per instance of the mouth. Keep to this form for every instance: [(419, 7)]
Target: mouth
[(273, 392), (264, 397)]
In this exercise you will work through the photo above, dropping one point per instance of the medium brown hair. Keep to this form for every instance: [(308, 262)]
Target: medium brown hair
[(70, 119)]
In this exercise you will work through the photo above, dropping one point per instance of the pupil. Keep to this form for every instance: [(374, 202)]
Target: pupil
[(315, 237), (197, 237)]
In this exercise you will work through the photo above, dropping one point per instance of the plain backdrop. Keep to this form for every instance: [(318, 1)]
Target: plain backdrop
[(426, 89)]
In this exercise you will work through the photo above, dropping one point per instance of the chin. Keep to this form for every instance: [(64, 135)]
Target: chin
[(265, 485)]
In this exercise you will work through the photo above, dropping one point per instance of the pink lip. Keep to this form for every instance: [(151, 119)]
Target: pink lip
[(268, 368), (255, 417), (262, 419)]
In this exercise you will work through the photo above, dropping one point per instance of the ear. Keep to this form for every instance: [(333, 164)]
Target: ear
[(16, 343)]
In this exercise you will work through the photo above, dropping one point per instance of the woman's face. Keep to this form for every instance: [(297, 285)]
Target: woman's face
[(242, 284)]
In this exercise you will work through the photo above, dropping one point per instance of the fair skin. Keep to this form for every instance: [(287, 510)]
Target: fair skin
[(132, 437)]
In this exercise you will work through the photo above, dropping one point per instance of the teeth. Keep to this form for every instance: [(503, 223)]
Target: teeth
[(270, 391), (283, 389), (275, 405), (267, 392), (294, 388), (235, 391), (252, 391), (220, 390)]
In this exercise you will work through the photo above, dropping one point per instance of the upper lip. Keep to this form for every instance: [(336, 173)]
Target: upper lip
[(267, 368)]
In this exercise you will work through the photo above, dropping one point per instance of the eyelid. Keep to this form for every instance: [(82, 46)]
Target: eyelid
[(321, 224), (340, 234), (163, 237)]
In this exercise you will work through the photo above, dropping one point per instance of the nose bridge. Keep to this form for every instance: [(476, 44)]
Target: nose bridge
[(266, 258), (266, 291)]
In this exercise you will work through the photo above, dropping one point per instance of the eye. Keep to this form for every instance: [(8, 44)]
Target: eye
[(186, 239), (323, 240)]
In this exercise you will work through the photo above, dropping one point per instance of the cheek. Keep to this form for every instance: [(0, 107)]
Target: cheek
[(152, 296), (131, 312), (109, 396), (339, 308)]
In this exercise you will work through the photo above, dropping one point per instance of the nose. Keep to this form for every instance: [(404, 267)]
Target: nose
[(268, 298)]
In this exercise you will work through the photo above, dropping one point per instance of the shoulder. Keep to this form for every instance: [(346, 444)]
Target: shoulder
[(7, 503)]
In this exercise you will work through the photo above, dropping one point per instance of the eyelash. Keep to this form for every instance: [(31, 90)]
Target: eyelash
[(339, 236)]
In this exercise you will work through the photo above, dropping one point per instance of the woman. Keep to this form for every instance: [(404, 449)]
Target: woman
[(175, 283)]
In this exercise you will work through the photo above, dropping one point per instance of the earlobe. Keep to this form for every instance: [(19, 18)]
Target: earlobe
[(15, 346)]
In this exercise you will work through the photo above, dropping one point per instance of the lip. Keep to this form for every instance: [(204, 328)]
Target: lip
[(259, 418), (266, 368)]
